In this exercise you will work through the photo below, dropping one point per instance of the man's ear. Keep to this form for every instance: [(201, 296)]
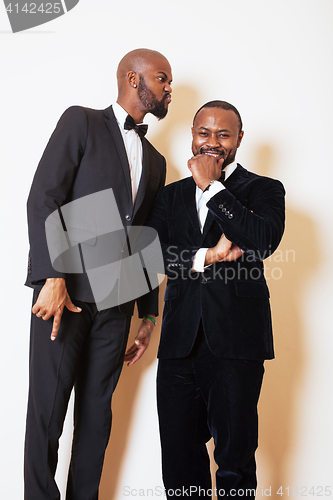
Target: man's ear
[(192, 131), (240, 137), (132, 79)]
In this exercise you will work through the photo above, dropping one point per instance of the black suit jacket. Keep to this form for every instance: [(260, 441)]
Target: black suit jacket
[(231, 299), (85, 155)]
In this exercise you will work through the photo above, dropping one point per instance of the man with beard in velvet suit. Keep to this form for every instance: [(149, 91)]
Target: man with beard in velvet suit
[(89, 151), (215, 228)]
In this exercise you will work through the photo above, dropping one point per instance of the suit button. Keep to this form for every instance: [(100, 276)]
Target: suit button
[(221, 206), (227, 212), (204, 281), (224, 209), (128, 218), (230, 216)]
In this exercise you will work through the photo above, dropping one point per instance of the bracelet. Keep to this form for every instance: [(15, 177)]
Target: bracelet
[(151, 319)]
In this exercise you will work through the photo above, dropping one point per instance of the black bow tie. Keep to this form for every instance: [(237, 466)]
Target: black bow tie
[(130, 124)]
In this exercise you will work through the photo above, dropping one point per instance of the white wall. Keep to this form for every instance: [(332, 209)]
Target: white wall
[(273, 60)]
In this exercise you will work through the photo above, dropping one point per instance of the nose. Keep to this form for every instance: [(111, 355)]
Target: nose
[(213, 141), (168, 88)]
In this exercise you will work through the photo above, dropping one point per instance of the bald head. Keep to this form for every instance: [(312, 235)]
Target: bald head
[(137, 61)]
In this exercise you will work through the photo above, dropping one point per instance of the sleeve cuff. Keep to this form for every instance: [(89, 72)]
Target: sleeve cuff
[(215, 188), (199, 260)]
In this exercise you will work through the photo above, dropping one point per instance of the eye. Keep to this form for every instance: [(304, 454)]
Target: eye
[(203, 134), (161, 78), (223, 136)]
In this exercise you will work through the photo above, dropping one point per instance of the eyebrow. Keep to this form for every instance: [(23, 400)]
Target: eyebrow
[(221, 130)]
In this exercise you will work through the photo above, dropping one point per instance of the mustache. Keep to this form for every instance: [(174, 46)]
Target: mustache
[(213, 150)]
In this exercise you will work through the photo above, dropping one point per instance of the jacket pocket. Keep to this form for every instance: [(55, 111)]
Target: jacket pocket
[(172, 292), (251, 289)]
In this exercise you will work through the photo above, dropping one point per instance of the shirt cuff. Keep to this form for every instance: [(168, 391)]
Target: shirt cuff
[(215, 188), (199, 260)]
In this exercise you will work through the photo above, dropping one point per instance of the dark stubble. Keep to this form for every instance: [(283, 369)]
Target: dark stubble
[(150, 101)]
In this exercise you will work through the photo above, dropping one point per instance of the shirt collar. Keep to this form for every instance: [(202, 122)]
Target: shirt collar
[(229, 169), (120, 114)]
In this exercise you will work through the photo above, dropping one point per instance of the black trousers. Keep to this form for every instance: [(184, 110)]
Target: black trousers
[(199, 397), (87, 355)]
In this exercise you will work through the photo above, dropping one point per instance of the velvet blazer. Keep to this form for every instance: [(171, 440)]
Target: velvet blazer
[(85, 155), (231, 299)]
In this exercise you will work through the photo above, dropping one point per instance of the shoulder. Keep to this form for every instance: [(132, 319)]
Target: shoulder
[(81, 114), (258, 181)]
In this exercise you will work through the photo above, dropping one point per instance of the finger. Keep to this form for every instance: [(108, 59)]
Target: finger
[(46, 315), (129, 356), (220, 163), (35, 308), (69, 304), (130, 351), (138, 355), (234, 254), (56, 324)]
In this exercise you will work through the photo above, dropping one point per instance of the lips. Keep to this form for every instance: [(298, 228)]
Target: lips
[(212, 152)]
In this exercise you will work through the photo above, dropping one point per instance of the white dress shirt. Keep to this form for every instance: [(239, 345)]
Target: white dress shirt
[(133, 146), (201, 200)]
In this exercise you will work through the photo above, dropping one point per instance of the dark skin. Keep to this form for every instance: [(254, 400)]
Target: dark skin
[(216, 138), (156, 70)]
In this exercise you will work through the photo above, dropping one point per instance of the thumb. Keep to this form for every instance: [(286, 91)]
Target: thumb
[(71, 307), (220, 163)]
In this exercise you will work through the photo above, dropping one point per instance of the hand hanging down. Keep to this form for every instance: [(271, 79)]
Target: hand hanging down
[(141, 342), (51, 301)]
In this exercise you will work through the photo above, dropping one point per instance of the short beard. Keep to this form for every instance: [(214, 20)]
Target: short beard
[(150, 102)]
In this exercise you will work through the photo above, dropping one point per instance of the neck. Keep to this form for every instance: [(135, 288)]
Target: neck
[(132, 109)]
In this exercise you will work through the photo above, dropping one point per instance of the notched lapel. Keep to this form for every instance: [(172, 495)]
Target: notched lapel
[(236, 179), (146, 169), (188, 194), (208, 223), (232, 183), (113, 127)]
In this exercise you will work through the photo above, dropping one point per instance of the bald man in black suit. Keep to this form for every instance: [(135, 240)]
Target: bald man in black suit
[(89, 151)]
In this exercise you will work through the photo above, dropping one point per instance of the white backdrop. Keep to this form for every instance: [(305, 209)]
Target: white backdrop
[(273, 61)]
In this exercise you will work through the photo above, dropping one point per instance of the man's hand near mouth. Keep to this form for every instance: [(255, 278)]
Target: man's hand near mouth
[(206, 167)]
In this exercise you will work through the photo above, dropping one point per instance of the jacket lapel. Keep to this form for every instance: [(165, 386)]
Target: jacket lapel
[(236, 179), (113, 127), (232, 183), (143, 184), (188, 194)]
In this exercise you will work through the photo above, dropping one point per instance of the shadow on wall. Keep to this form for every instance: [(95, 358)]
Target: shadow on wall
[(185, 104), (287, 272)]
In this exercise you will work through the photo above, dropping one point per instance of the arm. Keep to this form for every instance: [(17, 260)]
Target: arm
[(52, 182), (257, 228)]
